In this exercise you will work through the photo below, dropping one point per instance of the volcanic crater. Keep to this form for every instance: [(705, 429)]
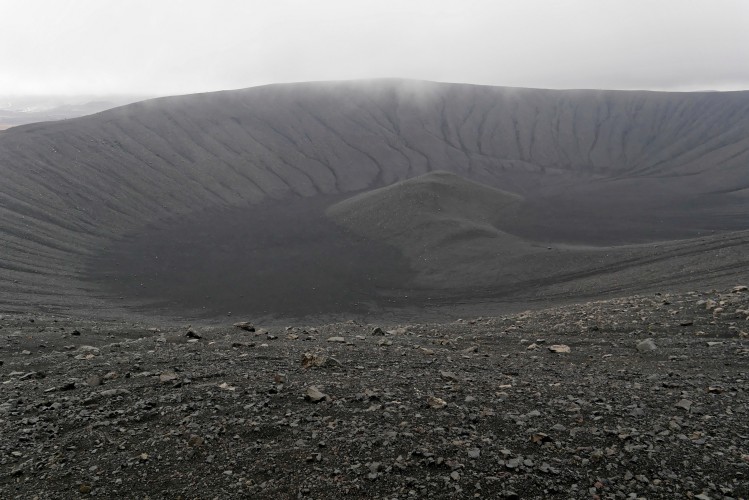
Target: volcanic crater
[(372, 196)]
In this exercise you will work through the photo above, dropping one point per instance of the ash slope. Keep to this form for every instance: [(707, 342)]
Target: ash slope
[(593, 166)]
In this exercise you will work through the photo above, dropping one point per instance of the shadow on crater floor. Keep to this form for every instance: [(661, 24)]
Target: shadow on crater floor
[(274, 259)]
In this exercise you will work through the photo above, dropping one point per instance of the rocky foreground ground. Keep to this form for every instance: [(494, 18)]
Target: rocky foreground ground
[(642, 397)]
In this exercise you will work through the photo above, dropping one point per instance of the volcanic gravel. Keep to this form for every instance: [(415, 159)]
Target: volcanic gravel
[(640, 397)]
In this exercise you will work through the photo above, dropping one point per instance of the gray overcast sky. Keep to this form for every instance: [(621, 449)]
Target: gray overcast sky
[(184, 46)]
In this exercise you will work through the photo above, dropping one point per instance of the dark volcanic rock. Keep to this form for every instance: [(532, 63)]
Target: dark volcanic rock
[(477, 414)]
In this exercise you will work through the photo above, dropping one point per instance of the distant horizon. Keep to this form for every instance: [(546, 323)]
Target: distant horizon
[(145, 96)]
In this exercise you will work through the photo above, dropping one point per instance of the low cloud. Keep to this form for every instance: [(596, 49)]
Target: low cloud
[(167, 47)]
